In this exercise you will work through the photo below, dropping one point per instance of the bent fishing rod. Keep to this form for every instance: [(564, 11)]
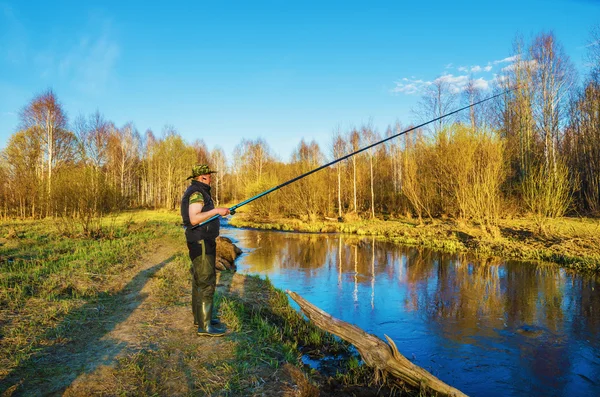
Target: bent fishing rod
[(251, 199)]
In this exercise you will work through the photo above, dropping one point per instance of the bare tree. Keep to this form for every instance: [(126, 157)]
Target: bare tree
[(124, 146), (219, 161), (470, 95), (593, 54), (370, 137), (93, 135), (23, 171), (514, 111), (354, 140), (439, 98), (554, 77), (45, 115), (255, 154), (308, 194), (202, 154), (338, 150), (581, 144)]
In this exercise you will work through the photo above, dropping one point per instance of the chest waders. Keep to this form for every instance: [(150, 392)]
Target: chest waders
[(204, 280)]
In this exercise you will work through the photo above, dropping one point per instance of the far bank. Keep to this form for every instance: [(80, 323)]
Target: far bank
[(572, 243)]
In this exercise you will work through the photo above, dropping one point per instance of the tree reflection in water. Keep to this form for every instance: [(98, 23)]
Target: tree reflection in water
[(484, 325)]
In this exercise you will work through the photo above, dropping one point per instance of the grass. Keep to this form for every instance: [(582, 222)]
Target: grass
[(261, 354), (46, 275), (570, 242), (59, 286)]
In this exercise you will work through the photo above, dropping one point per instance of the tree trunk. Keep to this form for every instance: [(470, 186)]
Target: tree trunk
[(372, 191), (354, 182), (339, 181), (384, 357)]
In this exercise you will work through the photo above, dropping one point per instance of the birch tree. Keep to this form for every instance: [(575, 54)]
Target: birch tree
[(554, 77), (338, 149), (46, 117)]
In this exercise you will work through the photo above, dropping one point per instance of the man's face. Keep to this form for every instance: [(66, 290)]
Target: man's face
[(205, 178)]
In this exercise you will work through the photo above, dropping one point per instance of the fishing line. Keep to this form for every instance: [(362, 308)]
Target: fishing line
[(251, 199)]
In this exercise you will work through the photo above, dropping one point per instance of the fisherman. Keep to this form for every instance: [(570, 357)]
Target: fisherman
[(196, 207)]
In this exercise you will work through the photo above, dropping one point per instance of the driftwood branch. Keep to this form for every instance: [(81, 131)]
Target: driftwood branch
[(375, 352)]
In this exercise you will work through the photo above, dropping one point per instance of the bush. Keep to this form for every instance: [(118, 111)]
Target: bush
[(547, 191)]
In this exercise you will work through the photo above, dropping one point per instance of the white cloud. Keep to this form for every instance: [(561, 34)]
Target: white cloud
[(409, 86), (530, 63), (456, 84), (481, 84), (507, 60), (474, 69)]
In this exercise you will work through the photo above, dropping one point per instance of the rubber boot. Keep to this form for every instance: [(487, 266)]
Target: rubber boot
[(196, 309), (214, 322), (206, 328), (196, 304)]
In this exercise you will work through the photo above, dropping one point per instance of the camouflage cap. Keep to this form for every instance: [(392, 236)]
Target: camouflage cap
[(200, 169)]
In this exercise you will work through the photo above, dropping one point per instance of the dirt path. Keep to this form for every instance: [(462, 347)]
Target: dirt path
[(134, 319), (114, 331), (144, 342)]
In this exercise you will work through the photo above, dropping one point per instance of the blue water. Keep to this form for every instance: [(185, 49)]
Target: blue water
[(488, 327)]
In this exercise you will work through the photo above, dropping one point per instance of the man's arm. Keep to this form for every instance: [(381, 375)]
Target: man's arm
[(197, 216)]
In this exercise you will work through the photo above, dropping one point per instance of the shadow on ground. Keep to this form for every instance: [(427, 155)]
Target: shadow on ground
[(52, 369)]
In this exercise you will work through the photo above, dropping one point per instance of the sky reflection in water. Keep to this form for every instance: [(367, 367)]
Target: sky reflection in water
[(488, 327)]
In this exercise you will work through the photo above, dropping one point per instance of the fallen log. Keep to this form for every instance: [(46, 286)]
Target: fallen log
[(383, 357)]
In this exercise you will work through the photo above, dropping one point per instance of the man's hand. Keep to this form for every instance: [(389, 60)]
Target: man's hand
[(222, 211), (197, 216)]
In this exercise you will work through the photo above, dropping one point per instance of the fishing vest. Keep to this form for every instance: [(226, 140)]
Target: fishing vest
[(209, 231)]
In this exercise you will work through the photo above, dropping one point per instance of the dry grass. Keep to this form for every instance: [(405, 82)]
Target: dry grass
[(569, 242), (134, 334)]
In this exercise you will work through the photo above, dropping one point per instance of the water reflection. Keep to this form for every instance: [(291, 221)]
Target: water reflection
[(488, 327)]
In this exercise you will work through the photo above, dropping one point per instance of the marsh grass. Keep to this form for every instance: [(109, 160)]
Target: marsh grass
[(46, 274)]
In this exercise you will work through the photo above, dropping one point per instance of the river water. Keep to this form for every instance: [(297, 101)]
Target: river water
[(488, 327)]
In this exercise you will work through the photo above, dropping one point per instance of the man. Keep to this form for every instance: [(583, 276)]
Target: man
[(196, 207)]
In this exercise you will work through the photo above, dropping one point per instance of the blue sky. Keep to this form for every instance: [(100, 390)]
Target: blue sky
[(280, 70)]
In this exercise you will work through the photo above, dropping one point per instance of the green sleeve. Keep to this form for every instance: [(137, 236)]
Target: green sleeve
[(196, 198)]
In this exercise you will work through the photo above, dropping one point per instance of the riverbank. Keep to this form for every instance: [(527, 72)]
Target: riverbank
[(109, 314), (573, 243)]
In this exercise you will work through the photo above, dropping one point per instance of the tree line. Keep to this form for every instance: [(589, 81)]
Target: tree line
[(536, 150)]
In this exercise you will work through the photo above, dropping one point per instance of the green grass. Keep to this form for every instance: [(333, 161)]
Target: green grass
[(266, 335), (57, 287), (45, 275), (39, 261)]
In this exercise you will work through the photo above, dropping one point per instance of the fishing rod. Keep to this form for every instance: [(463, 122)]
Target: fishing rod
[(251, 199)]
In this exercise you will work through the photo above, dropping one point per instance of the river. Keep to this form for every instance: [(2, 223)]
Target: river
[(489, 327)]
